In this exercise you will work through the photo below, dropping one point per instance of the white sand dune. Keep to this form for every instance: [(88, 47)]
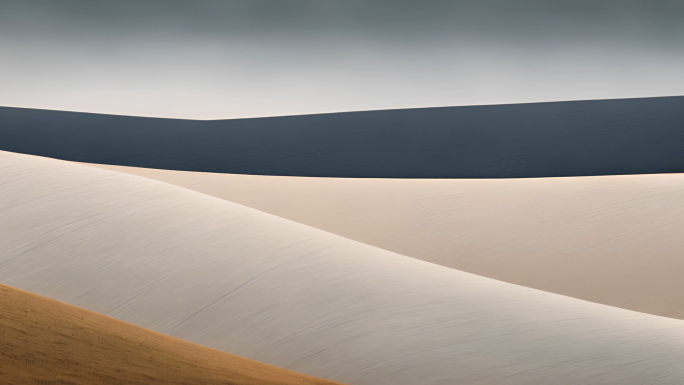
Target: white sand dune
[(614, 240), (230, 277)]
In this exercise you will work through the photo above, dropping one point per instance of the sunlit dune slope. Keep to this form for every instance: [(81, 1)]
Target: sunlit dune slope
[(230, 277), (614, 239), (43, 341), (592, 137)]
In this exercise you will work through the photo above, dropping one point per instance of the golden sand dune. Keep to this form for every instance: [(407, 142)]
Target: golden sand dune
[(230, 277), (44, 341), (614, 239)]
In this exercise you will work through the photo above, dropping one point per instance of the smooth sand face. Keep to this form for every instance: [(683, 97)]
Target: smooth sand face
[(230, 277), (48, 342), (614, 240)]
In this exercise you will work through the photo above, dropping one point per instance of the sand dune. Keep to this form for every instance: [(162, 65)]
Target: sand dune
[(233, 278), (49, 342), (600, 137), (612, 239)]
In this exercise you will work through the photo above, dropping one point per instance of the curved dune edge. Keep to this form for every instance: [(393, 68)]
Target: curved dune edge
[(46, 341), (233, 278), (614, 240)]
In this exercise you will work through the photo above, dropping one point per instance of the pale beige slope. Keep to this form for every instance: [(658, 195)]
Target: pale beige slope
[(230, 277), (615, 240), (44, 341)]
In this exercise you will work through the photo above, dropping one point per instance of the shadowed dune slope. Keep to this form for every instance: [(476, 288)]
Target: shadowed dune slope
[(44, 341), (230, 277), (601, 137), (609, 239)]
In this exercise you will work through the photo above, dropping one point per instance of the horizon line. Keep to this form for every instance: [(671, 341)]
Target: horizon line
[(344, 112)]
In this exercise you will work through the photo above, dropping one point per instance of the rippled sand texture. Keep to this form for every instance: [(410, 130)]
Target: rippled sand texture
[(615, 240), (233, 278), (44, 341)]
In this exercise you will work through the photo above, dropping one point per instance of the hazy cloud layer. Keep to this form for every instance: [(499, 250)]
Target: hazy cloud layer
[(219, 59)]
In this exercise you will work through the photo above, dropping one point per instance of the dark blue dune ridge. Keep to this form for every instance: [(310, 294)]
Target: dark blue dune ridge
[(577, 138)]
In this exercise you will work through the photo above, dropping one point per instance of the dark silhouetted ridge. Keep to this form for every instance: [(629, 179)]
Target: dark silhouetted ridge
[(578, 138)]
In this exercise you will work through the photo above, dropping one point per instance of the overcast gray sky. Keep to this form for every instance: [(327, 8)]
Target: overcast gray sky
[(210, 59)]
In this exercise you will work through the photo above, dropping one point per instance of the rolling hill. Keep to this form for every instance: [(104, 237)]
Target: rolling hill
[(236, 279), (607, 239), (578, 138)]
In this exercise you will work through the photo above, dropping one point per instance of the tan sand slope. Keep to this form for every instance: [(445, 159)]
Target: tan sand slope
[(44, 341), (266, 288), (614, 240)]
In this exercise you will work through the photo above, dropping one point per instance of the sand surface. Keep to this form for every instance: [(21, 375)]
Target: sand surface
[(593, 137), (44, 341), (233, 278), (614, 240)]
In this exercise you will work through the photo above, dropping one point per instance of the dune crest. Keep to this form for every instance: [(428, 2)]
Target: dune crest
[(612, 239), (233, 278)]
